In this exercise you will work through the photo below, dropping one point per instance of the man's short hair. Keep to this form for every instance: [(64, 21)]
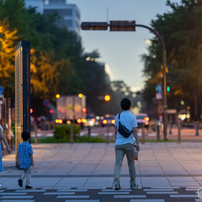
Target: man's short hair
[(25, 135), (125, 104)]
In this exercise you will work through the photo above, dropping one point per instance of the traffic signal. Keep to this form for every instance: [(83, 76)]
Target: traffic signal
[(122, 25), (94, 25), (168, 89)]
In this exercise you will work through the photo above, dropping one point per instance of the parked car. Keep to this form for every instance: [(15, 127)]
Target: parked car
[(142, 118), (108, 120)]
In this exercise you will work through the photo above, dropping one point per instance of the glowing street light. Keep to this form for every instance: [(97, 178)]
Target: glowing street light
[(107, 98), (57, 96), (80, 95)]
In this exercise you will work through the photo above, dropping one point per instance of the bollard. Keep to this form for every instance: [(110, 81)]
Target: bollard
[(143, 137), (157, 132), (71, 133), (89, 131), (107, 134), (35, 132), (179, 128), (197, 127), (170, 128), (170, 124)]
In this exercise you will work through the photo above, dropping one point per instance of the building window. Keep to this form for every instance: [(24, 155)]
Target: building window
[(61, 12)]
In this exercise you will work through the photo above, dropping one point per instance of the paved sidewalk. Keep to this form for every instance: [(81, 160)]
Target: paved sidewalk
[(83, 165)]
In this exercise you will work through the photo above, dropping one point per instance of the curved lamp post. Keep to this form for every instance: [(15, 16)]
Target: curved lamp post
[(130, 26)]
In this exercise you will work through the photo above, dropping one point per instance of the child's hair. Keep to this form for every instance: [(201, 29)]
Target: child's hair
[(25, 135), (125, 104)]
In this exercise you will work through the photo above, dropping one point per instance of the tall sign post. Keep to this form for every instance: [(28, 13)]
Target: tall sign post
[(130, 26), (22, 91)]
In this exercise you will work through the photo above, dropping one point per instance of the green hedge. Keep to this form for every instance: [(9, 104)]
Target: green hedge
[(63, 131)]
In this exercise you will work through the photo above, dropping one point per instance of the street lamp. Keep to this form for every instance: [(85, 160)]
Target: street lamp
[(130, 26), (80, 95), (107, 98)]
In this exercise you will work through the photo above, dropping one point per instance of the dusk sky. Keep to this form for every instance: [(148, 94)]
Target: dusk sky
[(121, 50)]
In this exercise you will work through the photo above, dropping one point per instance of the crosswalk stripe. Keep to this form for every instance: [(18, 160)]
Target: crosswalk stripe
[(78, 196), (130, 196)]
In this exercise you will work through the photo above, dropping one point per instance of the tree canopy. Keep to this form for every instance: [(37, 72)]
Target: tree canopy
[(181, 31), (58, 62)]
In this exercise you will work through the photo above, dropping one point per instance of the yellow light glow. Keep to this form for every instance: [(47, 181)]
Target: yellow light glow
[(60, 121), (104, 121), (57, 96), (84, 120), (107, 98), (78, 120), (80, 95)]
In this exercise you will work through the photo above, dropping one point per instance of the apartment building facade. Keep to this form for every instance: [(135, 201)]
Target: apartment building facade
[(68, 14)]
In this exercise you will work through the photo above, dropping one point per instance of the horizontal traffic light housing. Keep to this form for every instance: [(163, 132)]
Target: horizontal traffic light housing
[(94, 25), (122, 25)]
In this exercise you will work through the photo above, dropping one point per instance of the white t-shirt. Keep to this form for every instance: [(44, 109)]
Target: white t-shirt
[(129, 121)]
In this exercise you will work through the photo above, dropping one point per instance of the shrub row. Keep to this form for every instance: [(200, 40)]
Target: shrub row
[(63, 131)]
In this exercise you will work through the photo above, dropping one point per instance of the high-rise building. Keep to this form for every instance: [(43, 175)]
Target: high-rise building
[(69, 14)]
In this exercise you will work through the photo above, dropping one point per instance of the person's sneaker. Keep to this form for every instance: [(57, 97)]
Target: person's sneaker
[(117, 186), (20, 182), (133, 185), (28, 187)]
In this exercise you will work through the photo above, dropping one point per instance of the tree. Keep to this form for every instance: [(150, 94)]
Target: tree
[(95, 82), (7, 54), (181, 31), (58, 63)]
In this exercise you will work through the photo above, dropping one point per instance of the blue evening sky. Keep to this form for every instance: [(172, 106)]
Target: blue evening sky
[(121, 50)]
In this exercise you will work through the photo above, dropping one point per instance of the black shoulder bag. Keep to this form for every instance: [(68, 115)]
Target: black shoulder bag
[(125, 132)]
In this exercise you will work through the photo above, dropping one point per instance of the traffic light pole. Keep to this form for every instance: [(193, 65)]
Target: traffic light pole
[(164, 79), (130, 26)]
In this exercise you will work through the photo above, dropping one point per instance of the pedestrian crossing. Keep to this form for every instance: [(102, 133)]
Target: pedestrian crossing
[(143, 194)]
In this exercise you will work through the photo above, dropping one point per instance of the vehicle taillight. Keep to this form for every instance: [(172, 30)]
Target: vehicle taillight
[(60, 121), (146, 118), (83, 120), (78, 120)]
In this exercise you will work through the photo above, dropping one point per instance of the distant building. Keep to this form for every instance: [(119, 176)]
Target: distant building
[(38, 4), (69, 14)]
